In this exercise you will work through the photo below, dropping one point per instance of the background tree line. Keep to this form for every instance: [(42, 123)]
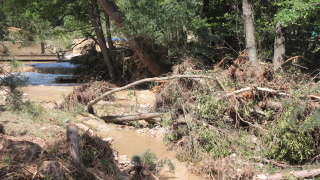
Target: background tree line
[(157, 31)]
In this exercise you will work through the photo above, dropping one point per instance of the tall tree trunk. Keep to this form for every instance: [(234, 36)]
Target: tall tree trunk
[(279, 46), (248, 20), (147, 56), (107, 19), (96, 24)]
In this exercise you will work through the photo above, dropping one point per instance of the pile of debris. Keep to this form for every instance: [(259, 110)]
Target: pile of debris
[(242, 113)]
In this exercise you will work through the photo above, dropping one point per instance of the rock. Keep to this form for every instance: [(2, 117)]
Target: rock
[(52, 170), (92, 116), (143, 123), (233, 155), (50, 105), (152, 132), (65, 120), (261, 176), (83, 127), (105, 103), (108, 139), (84, 119), (144, 105), (140, 131)]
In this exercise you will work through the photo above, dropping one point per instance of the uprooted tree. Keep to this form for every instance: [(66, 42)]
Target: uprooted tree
[(140, 45)]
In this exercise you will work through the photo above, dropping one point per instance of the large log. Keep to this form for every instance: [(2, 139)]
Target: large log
[(312, 173), (73, 142), (142, 116)]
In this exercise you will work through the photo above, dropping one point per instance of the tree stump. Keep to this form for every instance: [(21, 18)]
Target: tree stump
[(73, 142)]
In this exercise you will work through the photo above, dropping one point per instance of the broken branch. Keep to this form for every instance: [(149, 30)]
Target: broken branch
[(97, 99), (254, 88)]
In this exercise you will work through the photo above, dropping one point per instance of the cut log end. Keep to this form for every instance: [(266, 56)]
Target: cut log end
[(73, 142)]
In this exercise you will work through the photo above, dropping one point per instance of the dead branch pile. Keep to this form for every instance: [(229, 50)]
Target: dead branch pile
[(244, 110), (53, 162), (87, 92)]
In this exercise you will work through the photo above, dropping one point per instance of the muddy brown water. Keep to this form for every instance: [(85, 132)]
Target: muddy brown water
[(126, 142)]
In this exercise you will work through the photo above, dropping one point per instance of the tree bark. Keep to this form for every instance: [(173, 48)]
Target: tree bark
[(96, 24), (73, 143), (248, 20), (149, 58), (110, 43), (120, 119), (279, 46)]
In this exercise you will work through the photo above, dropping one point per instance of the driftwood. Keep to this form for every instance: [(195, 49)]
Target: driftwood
[(142, 116), (295, 58), (73, 142), (252, 89), (97, 99), (312, 173)]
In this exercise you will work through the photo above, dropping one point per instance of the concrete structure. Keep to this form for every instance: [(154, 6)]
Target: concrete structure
[(34, 52), (47, 52)]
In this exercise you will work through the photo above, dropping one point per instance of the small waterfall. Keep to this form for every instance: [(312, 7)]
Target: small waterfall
[(52, 68)]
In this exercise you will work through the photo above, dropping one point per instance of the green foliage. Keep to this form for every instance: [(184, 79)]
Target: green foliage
[(293, 10), (148, 160), (6, 159), (90, 63), (294, 137), (214, 142), (163, 21)]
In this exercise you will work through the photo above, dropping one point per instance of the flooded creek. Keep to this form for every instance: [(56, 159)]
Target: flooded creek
[(125, 141)]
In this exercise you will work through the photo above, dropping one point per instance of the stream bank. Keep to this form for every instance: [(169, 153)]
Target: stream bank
[(127, 140)]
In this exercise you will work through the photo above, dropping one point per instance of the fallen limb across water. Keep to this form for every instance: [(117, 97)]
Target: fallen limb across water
[(97, 99), (142, 116)]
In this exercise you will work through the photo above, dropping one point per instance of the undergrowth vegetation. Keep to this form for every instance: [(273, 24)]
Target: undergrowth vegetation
[(249, 114)]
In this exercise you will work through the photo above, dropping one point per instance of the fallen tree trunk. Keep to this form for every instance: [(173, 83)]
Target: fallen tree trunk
[(312, 173), (97, 99), (142, 116)]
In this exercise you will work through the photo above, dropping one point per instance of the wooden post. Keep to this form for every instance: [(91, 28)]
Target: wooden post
[(73, 142)]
